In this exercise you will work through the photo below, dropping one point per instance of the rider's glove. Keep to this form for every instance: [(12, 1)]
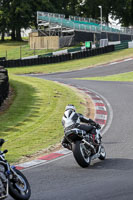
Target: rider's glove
[(98, 126)]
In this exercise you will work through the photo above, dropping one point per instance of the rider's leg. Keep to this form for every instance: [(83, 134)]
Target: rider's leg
[(66, 144)]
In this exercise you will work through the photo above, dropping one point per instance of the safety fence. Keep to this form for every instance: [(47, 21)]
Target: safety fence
[(4, 84), (57, 58)]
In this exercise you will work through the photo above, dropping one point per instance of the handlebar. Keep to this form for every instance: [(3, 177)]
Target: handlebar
[(3, 152)]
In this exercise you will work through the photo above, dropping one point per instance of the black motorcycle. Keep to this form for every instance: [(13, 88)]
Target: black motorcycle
[(12, 181), (84, 146)]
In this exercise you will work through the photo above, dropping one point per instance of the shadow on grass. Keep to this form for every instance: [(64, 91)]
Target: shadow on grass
[(9, 129), (13, 43), (24, 108)]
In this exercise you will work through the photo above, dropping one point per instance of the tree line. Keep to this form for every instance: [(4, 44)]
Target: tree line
[(18, 14)]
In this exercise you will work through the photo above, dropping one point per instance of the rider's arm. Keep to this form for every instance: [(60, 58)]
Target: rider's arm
[(86, 120)]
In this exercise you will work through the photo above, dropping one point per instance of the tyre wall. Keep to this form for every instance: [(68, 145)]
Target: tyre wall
[(57, 58), (4, 84)]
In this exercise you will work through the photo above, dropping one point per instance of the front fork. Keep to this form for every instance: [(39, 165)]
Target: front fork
[(12, 174), (6, 189)]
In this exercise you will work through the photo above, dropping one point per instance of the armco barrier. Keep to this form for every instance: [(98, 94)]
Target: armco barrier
[(123, 45), (57, 58), (4, 84)]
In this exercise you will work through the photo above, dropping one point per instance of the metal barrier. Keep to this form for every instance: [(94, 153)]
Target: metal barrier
[(123, 45)]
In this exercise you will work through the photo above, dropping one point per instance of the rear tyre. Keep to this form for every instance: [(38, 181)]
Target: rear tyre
[(81, 154)]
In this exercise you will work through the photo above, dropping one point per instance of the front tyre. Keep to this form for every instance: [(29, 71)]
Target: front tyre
[(102, 153), (81, 154), (19, 187)]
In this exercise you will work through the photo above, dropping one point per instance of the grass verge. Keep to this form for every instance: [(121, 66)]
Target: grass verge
[(33, 121), (118, 77)]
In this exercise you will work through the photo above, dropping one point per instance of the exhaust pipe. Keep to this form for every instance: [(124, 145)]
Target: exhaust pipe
[(90, 145)]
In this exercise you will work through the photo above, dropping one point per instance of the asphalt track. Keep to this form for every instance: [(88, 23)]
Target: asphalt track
[(112, 179)]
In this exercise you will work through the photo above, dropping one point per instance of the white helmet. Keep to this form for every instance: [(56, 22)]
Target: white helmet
[(70, 117), (70, 107)]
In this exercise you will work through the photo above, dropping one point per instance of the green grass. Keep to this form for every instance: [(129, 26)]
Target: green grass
[(15, 50), (75, 64), (118, 77), (33, 121)]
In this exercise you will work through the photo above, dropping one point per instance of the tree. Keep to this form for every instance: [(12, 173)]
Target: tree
[(23, 14), (131, 12), (4, 17), (39, 5), (20, 14), (90, 9), (122, 10)]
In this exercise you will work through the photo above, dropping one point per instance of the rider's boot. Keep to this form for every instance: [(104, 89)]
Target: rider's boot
[(67, 145), (98, 138)]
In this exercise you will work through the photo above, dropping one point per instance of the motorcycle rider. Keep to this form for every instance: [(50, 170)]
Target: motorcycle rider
[(71, 120)]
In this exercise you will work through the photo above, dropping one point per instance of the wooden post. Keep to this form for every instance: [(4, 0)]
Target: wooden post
[(34, 48), (94, 38), (6, 54), (20, 53), (47, 43)]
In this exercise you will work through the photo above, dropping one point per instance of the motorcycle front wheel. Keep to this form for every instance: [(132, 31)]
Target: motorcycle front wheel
[(80, 154), (102, 153), (19, 187)]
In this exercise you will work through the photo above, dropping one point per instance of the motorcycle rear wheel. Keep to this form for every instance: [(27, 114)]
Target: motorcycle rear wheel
[(19, 189), (80, 155)]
